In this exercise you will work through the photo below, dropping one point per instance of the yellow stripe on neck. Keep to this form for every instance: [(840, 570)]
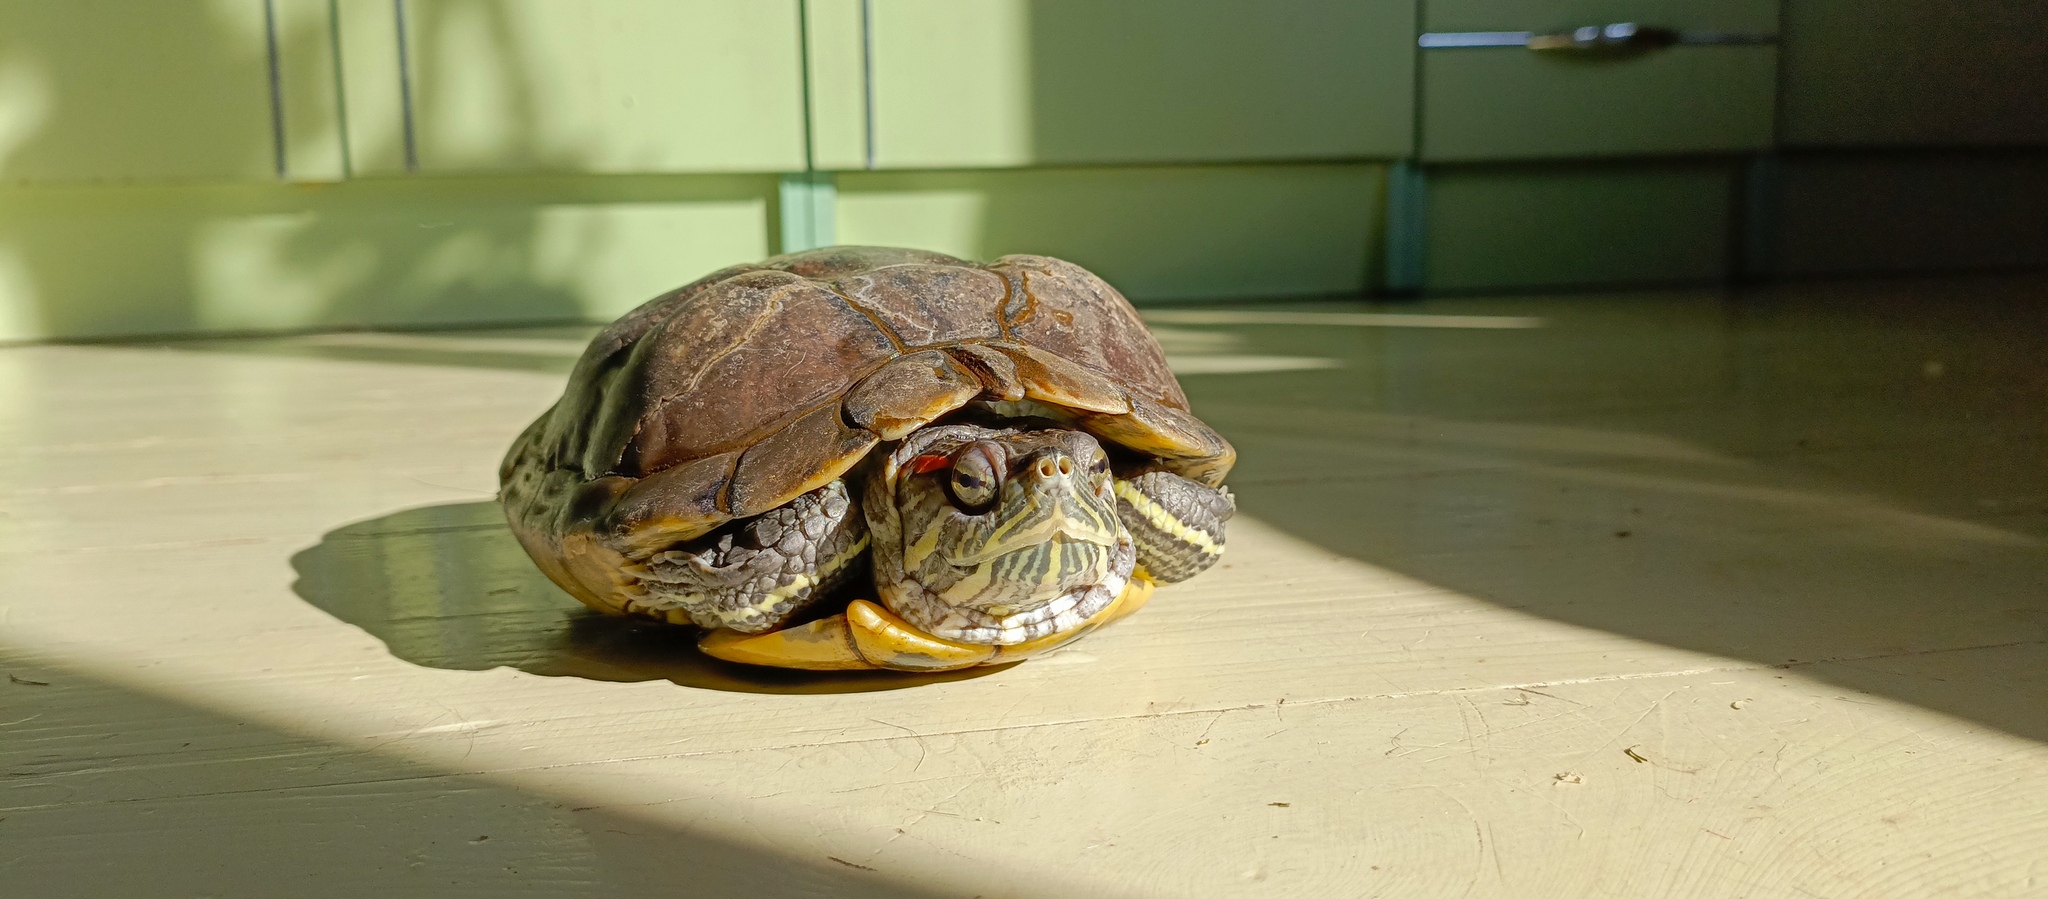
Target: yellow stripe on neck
[(1158, 517)]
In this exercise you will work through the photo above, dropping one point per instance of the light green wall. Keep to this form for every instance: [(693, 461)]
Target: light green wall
[(1198, 232), (92, 261)]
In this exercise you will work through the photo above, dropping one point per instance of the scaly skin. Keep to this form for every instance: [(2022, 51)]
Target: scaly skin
[(1050, 556), (1046, 552), (754, 576)]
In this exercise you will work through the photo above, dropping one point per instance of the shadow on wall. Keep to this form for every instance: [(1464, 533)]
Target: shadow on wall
[(193, 232), (448, 587), (111, 788), (430, 252)]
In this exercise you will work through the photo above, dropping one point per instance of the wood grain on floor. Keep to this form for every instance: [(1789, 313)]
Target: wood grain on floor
[(1671, 594)]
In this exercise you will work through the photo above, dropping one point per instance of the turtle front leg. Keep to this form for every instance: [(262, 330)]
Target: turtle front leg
[(758, 573), (1175, 524)]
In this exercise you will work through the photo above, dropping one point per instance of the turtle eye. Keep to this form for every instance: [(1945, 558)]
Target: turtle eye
[(975, 479)]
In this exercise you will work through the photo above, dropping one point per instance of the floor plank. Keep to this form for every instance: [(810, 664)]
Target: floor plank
[(1678, 594)]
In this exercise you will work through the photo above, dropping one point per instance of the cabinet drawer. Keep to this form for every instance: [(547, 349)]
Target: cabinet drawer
[(997, 83), (1714, 92), (1556, 15), (605, 85)]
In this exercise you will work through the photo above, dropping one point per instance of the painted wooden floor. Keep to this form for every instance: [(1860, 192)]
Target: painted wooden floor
[(1662, 594)]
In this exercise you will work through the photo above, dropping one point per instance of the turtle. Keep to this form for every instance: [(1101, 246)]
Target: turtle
[(856, 458)]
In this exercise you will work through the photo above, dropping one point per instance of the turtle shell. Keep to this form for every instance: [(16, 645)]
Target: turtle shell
[(755, 384)]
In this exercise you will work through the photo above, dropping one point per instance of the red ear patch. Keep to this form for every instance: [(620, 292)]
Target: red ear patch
[(928, 463)]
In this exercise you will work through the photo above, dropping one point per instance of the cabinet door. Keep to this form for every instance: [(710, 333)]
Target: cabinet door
[(605, 85), (1888, 211), (126, 90), (1503, 103), (1521, 226), (1914, 73), (983, 83), (1157, 233), (1558, 15)]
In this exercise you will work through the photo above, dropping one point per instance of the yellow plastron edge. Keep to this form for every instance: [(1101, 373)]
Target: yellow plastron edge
[(869, 637)]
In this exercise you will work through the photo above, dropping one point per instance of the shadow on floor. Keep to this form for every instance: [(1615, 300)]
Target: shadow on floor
[(1843, 472), (1733, 560), (117, 793), (447, 586), (1833, 472)]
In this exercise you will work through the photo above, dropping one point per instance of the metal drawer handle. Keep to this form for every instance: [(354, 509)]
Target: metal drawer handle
[(1621, 37)]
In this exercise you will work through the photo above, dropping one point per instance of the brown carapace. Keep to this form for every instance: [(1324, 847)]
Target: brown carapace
[(768, 388)]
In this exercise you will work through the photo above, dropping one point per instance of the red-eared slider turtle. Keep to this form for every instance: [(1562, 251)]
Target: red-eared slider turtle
[(989, 460)]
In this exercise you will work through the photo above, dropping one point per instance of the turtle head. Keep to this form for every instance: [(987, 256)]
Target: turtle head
[(987, 535)]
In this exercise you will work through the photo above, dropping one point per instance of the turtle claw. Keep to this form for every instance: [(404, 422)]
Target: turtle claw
[(868, 637)]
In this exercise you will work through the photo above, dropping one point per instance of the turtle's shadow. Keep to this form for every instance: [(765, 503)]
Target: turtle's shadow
[(447, 586)]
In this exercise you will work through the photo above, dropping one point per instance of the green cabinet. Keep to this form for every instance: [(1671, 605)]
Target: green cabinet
[(1156, 232), (1510, 102), (1518, 226), (1855, 212), (602, 86), (1554, 15), (372, 91), (1486, 104), (1538, 167), (909, 84), (132, 90)]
